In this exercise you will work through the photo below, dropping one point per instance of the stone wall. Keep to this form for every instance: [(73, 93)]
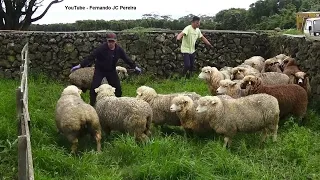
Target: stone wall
[(156, 52)]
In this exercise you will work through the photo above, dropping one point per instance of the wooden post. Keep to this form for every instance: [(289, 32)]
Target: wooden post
[(22, 158), (19, 109)]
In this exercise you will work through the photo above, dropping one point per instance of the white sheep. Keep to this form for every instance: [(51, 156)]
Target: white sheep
[(212, 76), (256, 62), (231, 88), (160, 104), (191, 121), (239, 72), (82, 78), (252, 113), (123, 114), (75, 118)]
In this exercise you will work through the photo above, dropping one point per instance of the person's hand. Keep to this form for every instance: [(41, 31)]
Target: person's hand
[(75, 67), (137, 69)]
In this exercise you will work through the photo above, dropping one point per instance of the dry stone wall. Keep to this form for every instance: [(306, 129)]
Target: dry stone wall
[(156, 52)]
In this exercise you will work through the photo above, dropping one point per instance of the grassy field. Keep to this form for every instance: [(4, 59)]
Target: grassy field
[(169, 155)]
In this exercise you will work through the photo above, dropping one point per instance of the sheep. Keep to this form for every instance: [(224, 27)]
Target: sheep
[(301, 78), (256, 62), (122, 72), (231, 88), (82, 78), (252, 113), (160, 104), (123, 114), (226, 71), (271, 78), (242, 70), (281, 57), (290, 66), (271, 65), (292, 98), (75, 118), (185, 108), (212, 76)]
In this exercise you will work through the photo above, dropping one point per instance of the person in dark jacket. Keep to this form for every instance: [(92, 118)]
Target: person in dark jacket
[(105, 57)]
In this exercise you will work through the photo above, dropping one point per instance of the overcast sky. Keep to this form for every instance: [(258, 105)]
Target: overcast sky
[(58, 13)]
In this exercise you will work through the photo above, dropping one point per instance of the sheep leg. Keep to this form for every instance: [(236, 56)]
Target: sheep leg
[(275, 132), (227, 142), (98, 140)]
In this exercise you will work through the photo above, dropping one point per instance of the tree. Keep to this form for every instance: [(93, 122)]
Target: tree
[(17, 14)]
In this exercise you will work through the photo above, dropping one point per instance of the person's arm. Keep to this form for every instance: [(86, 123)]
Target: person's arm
[(184, 32), (126, 59), (91, 58), (204, 39)]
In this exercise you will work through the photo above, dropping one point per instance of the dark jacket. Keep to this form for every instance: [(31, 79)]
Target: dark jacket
[(104, 60)]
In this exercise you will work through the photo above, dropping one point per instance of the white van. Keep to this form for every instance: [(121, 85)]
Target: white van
[(312, 26)]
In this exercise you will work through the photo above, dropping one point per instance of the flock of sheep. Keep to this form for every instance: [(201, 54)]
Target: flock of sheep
[(257, 95)]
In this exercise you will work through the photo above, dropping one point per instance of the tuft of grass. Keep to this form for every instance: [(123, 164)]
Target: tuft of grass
[(170, 155), (292, 31)]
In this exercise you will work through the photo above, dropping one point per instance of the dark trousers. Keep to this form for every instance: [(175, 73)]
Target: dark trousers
[(113, 80), (188, 60)]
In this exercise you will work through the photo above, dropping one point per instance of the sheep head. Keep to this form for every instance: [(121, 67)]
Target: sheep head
[(122, 72), (249, 82), (225, 85), (181, 103), (105, 90), (146, 93), (238, 72), (71, 90), (207, 102), (300, 77), (207, 72)]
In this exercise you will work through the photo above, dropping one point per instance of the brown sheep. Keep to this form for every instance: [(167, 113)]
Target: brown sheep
[(302, 79), (290, 66), (293, 99)]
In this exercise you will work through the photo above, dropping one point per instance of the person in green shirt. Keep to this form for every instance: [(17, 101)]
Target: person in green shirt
[(189, 36)]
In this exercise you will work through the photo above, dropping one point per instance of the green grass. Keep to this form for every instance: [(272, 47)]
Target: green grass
[(168, 155), (292, 31)]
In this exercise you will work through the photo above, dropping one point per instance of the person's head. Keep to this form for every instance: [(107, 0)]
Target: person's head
[(111, 39), (195, 23)]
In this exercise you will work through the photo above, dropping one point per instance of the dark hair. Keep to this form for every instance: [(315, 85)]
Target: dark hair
[(195, 18)]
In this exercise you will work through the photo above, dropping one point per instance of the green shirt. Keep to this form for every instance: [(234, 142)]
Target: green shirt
[(189, 39)]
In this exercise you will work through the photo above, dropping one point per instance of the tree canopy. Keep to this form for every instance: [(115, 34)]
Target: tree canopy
[(17, 14)]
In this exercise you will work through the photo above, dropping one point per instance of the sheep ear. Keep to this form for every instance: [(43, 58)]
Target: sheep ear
[(96, 90), (213, 102), (114, 89), (233, 83), (249, 82), (79, 91)]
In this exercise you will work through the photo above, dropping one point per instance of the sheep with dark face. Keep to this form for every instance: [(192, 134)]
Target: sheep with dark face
[(292, 98), (290, 66), (302, 79)]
